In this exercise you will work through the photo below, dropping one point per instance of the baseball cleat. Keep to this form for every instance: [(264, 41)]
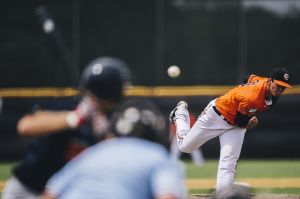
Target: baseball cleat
[(180, 105)]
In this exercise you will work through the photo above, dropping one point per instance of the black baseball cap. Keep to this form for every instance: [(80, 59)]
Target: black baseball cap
[(281, 76)]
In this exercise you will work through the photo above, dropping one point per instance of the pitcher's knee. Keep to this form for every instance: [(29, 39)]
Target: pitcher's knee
[(186, 148)]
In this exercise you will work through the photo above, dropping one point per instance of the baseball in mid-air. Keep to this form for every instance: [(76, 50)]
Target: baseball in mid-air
[(174, 71)]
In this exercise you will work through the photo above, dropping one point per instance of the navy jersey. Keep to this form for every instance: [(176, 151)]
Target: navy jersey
[(47, 154)]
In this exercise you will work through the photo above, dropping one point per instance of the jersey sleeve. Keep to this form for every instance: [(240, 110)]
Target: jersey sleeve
[(245, 99), (243, 104), (248, 95), (252, 78), (243, 115)]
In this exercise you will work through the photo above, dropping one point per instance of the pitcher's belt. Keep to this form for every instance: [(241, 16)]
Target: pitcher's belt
[(218, 112)]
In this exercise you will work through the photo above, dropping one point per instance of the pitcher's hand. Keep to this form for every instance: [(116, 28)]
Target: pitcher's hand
[(253, 122)]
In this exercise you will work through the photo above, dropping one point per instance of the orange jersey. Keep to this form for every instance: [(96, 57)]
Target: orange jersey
[(247, 99)]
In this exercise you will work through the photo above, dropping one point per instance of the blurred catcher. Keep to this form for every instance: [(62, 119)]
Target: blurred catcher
[(135, 165), (228, 117), (64, 134)]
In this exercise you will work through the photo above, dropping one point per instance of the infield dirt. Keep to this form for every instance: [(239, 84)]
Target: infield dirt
[(268, 196)]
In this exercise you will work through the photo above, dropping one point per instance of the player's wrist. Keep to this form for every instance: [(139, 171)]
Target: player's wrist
[(74, 119), (85, 107)]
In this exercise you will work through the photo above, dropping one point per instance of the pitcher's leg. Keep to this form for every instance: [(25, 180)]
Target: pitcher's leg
[(182, 121), (174, 150), (231, 143), (207, 126), (180, 116), (197, 136)]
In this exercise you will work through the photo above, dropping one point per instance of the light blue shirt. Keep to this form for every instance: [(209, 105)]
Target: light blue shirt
[(123, 168)]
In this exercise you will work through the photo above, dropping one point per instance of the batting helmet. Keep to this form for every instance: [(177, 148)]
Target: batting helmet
[(141, 119), (105, 77)]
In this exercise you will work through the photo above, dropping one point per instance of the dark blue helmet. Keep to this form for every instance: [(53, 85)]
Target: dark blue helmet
[(105, 77)]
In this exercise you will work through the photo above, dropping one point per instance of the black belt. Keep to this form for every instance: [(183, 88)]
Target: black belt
[(218, 112)]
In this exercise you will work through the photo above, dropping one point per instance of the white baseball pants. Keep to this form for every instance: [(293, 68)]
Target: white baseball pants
[(196, 155), (210, 125)]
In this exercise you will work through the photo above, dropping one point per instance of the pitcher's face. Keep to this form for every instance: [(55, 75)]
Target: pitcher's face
[(275, 89)]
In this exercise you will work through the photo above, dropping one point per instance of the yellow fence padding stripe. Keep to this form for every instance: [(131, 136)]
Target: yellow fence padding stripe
[(38, 92), (144, 91)]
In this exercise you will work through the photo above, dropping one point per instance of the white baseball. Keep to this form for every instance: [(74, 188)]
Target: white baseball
[(174, 71)]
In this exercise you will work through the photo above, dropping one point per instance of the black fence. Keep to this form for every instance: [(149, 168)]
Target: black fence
[(214, 42), (48, 43), (277, 135)]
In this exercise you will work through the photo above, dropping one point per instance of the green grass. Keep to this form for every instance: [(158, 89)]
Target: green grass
[(5, 170), (207, 171), (272, 169), (249, 169), (245, 169)]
